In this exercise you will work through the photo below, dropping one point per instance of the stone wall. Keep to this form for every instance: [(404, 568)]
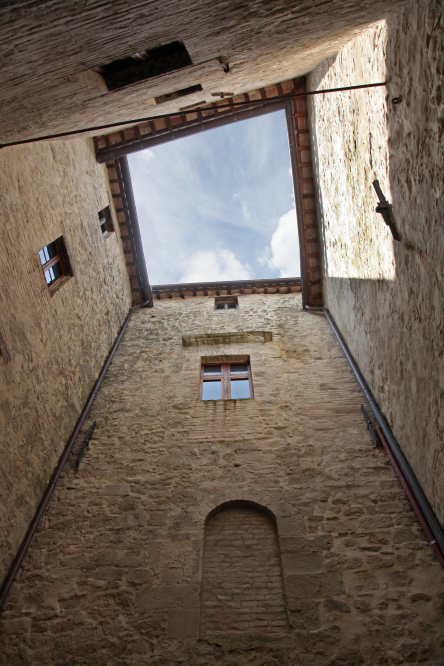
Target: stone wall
[(47, 87), (114, 574), (58, 343), (242, 585), (387, 296)]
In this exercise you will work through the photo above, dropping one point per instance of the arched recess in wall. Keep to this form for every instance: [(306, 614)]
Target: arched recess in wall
[(242, 581)]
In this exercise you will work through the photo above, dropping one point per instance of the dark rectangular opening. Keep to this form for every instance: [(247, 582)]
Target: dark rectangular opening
[(106, 221), (178, 93), (145, 65)]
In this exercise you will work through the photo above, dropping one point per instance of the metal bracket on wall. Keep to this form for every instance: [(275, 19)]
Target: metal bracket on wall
[(385, 209), (85, 446), (370, 428)]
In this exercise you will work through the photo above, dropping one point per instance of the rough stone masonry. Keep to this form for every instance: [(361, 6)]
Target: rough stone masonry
[(114, 576)]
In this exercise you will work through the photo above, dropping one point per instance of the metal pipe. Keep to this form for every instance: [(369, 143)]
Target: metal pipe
[(98, 128), (12, 573), (393, 444), (412, 498)]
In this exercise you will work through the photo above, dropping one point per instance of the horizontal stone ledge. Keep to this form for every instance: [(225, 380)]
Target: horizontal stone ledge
[(237, 337)]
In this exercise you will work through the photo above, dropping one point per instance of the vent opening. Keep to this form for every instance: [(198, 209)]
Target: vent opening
[(178, 93), (145, 65)]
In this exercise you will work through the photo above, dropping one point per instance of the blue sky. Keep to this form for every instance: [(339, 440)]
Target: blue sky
[(218, 205)]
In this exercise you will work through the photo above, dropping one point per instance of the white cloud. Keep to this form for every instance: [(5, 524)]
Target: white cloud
[(246, 211), (285, 247), (214, 265), (146, 155)]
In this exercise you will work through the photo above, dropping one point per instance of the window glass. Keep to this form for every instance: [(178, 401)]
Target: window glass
[(240, 388), (212, 370), (212, 390), (237, 369), (220, 306), (54, 273), (48, 253), (232, 306)]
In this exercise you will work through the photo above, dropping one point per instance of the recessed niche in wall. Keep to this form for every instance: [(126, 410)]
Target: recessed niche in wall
[(242, 584)]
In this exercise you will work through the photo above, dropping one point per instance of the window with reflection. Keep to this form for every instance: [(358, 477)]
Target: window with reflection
[(55, 262), (226, 381)]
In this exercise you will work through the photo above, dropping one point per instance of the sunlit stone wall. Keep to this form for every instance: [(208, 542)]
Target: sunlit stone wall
[(57, 343), (387, 296), (114, 576)]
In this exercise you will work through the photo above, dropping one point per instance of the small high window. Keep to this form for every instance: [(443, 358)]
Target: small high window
[(56, 264), (226, 381), (226, 303), (106, 221), (145, 65)]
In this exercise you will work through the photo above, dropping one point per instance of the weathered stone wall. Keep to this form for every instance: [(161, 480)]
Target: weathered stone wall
[(386, 296), (57, 343), (114, 574), (46, 87)]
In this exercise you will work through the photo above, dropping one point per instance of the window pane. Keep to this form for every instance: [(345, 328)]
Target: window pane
[(240, 388), (54, 273), (237, 369), (212, 369), (57, 270), (232, 305), (43, 259), (51, 249), (220, 306), (211, 390)]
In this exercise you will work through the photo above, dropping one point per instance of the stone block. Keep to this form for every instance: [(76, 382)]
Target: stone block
[(172, 575), (183, 623), (168, 597), (119, 489), (302, 562), (313, 586)]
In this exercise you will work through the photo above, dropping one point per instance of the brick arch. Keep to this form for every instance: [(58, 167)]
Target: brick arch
[(242, 582), (240, 502)]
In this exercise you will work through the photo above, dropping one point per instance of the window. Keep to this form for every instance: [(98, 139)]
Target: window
[(226, 381), (145, 65), (55, 263), (226, 303), (106, 221)]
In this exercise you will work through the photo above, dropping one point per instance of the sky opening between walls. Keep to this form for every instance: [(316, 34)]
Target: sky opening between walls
[(219, 205)]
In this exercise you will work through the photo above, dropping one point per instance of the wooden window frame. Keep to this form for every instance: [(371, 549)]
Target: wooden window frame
[(225, 301), (61, 257), (106, 223), (225, 377)]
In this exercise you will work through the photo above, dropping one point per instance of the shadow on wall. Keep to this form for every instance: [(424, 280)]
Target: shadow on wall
[(387, 296)]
